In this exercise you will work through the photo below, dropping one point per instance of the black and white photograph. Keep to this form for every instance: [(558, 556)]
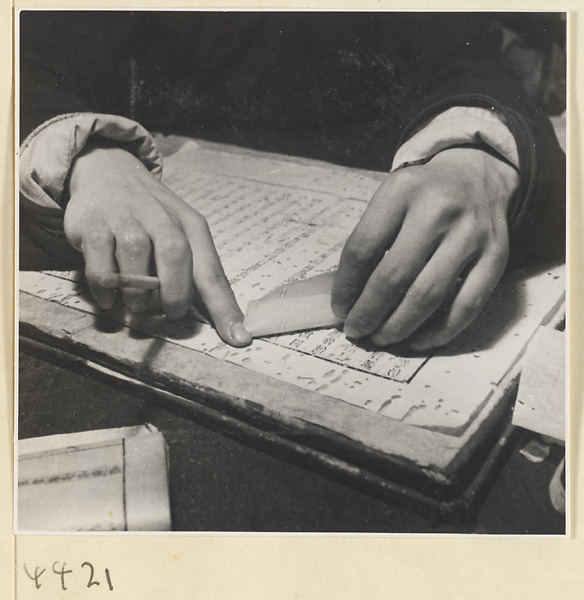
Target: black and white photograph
[(291, 272)]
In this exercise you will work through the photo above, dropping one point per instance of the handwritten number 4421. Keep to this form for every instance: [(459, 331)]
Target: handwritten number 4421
[(61, 570)]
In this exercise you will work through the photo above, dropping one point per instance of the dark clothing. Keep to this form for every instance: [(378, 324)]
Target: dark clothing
[(343, 87)]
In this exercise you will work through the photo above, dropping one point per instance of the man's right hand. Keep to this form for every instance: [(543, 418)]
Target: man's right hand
[(124, 220), (428, 251)]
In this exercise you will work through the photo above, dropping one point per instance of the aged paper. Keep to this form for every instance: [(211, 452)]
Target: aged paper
[(540, 404), (274, 222), (104, 480)]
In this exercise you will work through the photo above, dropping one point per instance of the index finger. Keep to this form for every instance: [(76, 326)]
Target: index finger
[(212, 284), (373, 235)]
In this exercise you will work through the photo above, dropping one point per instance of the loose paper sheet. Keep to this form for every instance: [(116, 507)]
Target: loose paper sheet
[(104, 480), (541, 397), (276, 221)]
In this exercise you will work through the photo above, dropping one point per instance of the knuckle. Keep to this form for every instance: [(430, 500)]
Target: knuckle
[(174, 247), (216, 279), (133, 242), (355, 254), (499, 259), (426, 293), (437, 216), (359, 251), (473, 230), (393, 282), (469, 308), (198, 222), (500, 251), (96, 236), (403, 182), (71, 229), (449, 209)]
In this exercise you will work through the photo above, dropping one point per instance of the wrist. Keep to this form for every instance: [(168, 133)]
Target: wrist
[(99, 164), (497, 179), (47, 154)]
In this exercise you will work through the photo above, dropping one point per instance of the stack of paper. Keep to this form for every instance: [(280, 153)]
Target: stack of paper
[(541, 399), (106, 480)]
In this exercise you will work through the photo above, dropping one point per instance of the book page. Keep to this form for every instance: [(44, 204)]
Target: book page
[(277, 220), (269, 234)]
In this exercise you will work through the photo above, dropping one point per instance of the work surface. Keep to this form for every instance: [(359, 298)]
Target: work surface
[(421, 427), (219, 484)]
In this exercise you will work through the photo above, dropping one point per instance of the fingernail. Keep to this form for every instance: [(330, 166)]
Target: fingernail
[(350, 332), (380, 341), (339, 311), (175, 316), (139, 308), (106, 303), (420, 345), (240, 334), (387, 337)]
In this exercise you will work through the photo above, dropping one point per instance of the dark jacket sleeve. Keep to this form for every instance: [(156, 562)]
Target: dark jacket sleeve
[(468, 68), (418, 64), (73, 62), (70, 62)]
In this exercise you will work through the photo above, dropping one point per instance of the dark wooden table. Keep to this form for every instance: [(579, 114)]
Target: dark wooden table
[(219, 484)]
